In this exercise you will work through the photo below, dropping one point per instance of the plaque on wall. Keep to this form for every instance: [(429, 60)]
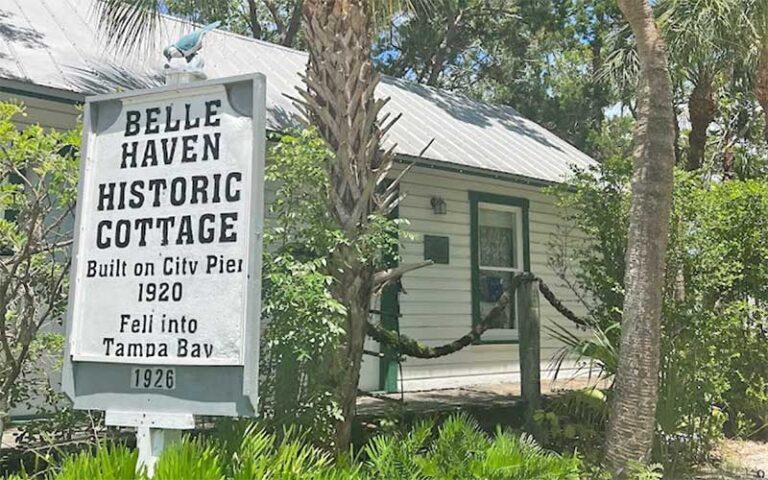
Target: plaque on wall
[(437, 249)]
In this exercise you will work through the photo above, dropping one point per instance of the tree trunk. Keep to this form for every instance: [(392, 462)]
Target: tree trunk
[(729, 162), (289, 36), (253, 19), (631, 425), (339, 101), (443, 52), (3, 417), (761, 88), (676, 125), (701, 109), (353, 287)]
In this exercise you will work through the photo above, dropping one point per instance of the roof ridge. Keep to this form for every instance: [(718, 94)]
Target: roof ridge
[(230, 33), (403, 82), (294, 51)]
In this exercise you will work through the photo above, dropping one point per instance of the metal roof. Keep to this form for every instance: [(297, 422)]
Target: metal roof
[(56, 44)]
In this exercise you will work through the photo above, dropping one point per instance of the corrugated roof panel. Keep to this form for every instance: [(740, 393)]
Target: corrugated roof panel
[(55, 43)]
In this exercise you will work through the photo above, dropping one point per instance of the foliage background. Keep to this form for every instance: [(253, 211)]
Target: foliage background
[(714, 326)]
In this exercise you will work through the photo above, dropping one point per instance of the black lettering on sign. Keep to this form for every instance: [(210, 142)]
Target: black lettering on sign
[(188, 144), (211, 112), (185, 349), (169, 151), (170, 126), (137, 194), (150, 155), (129, 153), (207, 231), (152, 126), (102, 241), (132, 125), (211, 147), (113, 348), (110, 269), (232, 194), (106, 196), (227, 227)]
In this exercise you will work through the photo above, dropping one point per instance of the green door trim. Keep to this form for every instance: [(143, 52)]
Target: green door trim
[(390, 319), (483, 197)]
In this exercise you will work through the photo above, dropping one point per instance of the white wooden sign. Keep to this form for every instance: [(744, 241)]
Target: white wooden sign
[(168, 245)]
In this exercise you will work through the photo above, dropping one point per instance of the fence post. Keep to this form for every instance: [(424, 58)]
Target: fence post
[(529, 328)]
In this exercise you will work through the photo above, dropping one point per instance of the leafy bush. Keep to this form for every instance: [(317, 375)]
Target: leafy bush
[(304, 321), (300, 360), (575, 420), (38, 187)]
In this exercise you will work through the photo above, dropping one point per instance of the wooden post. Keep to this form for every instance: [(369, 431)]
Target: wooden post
[(529, 328)]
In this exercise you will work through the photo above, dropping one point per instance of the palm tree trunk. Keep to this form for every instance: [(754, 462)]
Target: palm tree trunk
[(339, 101), (761, 88), (632, 420), (701, 109), (353, 287)]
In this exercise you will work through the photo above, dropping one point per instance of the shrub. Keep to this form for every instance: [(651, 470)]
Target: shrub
[(575, 421), (457, 450), (301, 361), (304, 323), (38, 187)]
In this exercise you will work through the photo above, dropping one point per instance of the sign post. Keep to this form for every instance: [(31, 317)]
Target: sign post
[(164, 307)]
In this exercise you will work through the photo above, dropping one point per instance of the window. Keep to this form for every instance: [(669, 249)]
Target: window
[(9, 215), (499, 242)]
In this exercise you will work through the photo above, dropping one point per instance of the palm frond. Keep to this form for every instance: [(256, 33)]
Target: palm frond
[(128, 25), (622, 65), (598, 351)]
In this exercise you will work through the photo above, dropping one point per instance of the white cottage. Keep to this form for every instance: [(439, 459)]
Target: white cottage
[(474, 198)]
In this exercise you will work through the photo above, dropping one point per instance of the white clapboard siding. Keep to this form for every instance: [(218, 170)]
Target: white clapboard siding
[(437, 306), (49, 114)]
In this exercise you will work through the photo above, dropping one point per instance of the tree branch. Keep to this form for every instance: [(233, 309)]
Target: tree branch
[(275, 13), (386, 277)]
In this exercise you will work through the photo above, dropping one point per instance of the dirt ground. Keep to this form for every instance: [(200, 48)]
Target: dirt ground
[(741, 460)]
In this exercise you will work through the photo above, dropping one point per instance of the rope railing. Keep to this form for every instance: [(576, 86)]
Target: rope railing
[(406, 346)]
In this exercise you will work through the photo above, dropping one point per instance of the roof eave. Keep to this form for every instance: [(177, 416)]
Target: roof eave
[(33, 90)]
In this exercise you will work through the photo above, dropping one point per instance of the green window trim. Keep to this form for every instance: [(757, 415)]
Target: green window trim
[(475, 198)]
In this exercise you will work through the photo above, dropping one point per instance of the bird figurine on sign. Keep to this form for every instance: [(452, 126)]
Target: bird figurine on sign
[(187, 48)]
